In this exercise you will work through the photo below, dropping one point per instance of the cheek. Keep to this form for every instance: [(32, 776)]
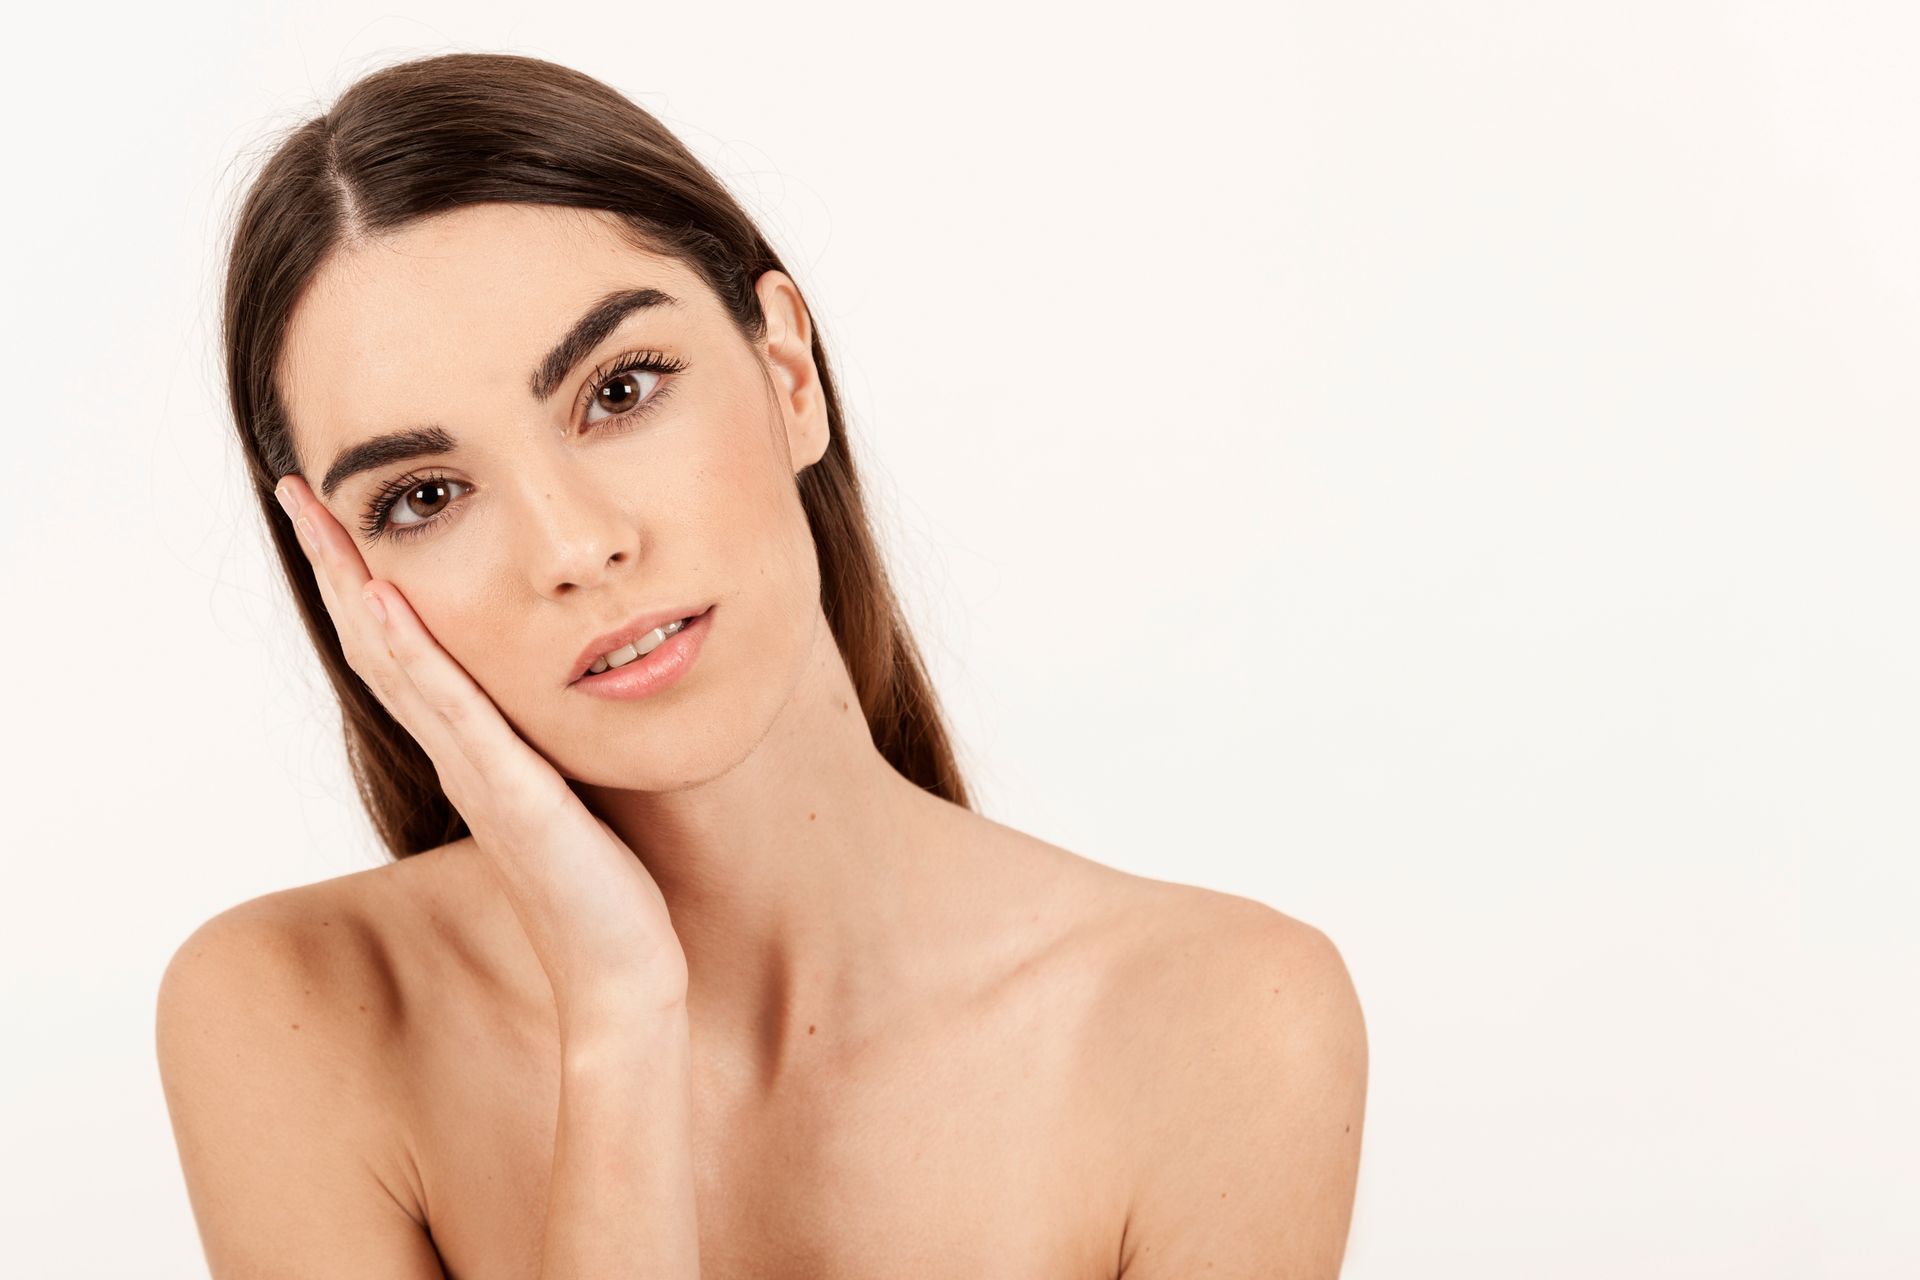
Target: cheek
[(463, 609), (747, 504)]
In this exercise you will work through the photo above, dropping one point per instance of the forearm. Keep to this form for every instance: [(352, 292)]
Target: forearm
[(621, 1199)]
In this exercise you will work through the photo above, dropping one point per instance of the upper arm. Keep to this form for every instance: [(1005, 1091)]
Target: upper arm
[(1249, 1164), (277, 1105)]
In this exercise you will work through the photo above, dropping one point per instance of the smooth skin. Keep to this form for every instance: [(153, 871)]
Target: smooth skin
[(762, 978), (621, 1201)]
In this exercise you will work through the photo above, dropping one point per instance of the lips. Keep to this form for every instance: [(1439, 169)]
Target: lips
[(627, 633)]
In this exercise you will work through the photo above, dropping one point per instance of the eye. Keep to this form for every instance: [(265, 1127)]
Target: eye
[(614, 388), (618, 390), (398, 497)]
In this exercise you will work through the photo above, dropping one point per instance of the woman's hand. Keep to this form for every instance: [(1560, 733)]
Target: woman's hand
[(592, 913)]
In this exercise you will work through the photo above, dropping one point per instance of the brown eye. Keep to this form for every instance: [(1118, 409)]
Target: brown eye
[(619, 393), (424, 500), (418, 499), (630, 388)]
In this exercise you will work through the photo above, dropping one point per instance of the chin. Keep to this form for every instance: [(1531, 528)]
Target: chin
[(647, 753), (698, 729)]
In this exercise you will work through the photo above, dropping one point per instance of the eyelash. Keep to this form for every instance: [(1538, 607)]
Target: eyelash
[(375, 524)]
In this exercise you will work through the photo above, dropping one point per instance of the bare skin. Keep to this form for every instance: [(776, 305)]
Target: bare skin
[(920, 1042), (1001, 1119), (976, 1125)]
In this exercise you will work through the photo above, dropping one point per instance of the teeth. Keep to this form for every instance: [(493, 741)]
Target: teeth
[(640, 648)]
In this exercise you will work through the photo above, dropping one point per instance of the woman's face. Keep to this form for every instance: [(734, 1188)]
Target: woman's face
[(550, 521)]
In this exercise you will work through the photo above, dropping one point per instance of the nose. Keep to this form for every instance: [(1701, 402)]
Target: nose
[(576, 532)]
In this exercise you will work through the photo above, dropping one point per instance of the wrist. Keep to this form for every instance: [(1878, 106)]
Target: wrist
[(603, 996), (622, 1032)]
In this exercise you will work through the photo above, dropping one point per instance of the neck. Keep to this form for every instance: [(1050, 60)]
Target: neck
[(800, 880)]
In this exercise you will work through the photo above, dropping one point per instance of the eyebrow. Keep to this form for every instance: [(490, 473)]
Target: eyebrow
[(588, 332)]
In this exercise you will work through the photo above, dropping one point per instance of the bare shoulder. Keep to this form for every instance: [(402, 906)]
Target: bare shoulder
[(337, 945), (1195, 946), (276, 1027), (1181, 951), (304, 972), (306, 956), (355, 952), (1242, 1048)]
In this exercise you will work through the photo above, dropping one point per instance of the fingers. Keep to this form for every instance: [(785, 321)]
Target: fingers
[(332, 563), (484, 766), (342, 576), (519, 781)]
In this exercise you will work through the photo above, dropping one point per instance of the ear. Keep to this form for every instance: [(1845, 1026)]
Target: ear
[(789, 359)]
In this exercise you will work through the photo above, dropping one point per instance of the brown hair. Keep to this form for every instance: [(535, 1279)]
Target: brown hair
[(425, 136)]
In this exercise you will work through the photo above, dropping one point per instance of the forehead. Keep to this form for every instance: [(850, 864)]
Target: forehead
[(448, 316)]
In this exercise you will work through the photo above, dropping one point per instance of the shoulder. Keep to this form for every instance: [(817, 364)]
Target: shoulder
[(1202, 955), (1245, 1047), (300, 952), (341, 945), (276, 1026)]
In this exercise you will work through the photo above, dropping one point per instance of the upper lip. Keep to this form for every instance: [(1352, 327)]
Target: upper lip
[(627, 632)]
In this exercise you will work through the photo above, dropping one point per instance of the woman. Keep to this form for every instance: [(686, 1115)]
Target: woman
[(693, 958)]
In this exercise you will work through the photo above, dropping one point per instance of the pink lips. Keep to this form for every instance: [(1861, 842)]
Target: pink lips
[(626, 634), (657, 670)]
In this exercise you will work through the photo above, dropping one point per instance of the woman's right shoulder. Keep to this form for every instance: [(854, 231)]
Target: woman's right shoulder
[(280, 1034), (281, 1039), (325, 953)]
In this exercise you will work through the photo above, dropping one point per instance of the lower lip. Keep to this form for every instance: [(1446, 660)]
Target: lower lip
[(657, 670)]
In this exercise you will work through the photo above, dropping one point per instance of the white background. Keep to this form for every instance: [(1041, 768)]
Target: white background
[(1444, 470)]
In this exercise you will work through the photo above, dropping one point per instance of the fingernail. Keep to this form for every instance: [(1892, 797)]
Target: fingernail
[(285, 495), (378, 610), (304, 527)]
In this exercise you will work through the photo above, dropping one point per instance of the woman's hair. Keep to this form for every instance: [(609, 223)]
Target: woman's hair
[(426, 136)]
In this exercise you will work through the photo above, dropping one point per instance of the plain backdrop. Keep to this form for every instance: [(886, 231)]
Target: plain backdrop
[(1446, 471)]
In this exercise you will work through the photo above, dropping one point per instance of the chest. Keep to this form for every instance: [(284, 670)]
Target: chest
[(976, 1152)]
